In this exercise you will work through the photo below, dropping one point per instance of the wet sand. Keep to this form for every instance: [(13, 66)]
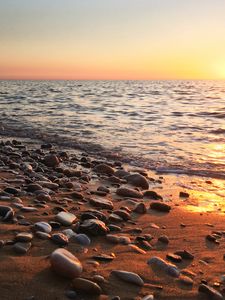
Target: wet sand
[(30, 276)]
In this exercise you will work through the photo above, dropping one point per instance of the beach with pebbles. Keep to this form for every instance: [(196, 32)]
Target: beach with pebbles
[(75, 226)]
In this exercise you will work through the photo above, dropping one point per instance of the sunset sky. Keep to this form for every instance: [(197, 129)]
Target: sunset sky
[(112, 39)]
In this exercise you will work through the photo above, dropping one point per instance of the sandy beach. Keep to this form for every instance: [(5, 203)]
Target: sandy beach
[(134, 225)]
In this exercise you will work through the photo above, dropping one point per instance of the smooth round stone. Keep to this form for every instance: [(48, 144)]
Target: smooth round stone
[(98, 278), (43, 226), (71, 294), (51, 160), (113, 228), (140, 208), (160, 206), (148, 297), (152, 195), (104, 169), (28, 209), (161, 265), (69, 233), (65, 263), (163, 239), (210, 292), (33, 187), (122, 214), (48, 185), (185, 280), (21, 248), (43, 197), (42, 235), (81, 239), (60, 239), (54, 225), (6, 213), (86, 286), (118, 239), (24, 237), (101, 202), (137, 180), (65, 218), (128, 277), (126, 192)]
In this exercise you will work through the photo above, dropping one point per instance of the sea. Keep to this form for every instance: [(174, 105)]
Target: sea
[(167, 126)]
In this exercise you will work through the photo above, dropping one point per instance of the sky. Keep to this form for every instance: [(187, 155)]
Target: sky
[(112, 39)]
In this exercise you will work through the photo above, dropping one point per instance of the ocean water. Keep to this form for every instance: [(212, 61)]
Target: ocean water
[(168, 126)]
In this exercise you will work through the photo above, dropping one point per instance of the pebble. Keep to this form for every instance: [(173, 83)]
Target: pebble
[(71, 294), (122, 213), (126, 192), (140, 208), (185, 280), (185, 254), (137, 180), (94, 227), (137, 249), (65, 218), (101, 202), (42, 235), (28, 209), (148, 297), (77, 195), (103, 257), (152, 195), (128, 277), (43, 226), (21, 248), (210, 292), (163, 239), (104, 169), (87, 286), (51, 160), (24, 237), (164, 266), (65, 263), (6, 213), (174, 257), (60, 239), (118, 239), (33, 187), (81, 239), (160, 206), (69, 233)]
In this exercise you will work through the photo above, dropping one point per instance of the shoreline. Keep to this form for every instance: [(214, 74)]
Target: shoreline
[(27, 275)]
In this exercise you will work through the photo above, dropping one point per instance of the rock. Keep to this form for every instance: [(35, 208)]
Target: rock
[(163, 266), (163, 239), (174, 257), (51, 160), (94, 227), (60, 239), (87, 286), (49, 185), (43, 197), (118, 239), (81, 239), (128, 277), (28, 209), (42, 235), (185, 254), (71, 294), (210, 292), (114, 228), (12, 190), (24, 237), (137, 180), (33, 187), (136, 249), (101, 202), (121, 173), (148, 297), (160, 206), (42, 226), (184, 195), (103, 257), (185, 280), (126, 192), (104, 169), (65, 218), (140, 208), (69, 233), (6, 213), (114, 218), (102, 188), (65, 263), (21, 248), (122, 213), (77, 195), (152, 195)]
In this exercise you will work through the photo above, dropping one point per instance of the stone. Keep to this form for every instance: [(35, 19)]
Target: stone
[(137, 180), (163, 239), (87, 286), (104, 169), (185, 280), (122, 213), (42, 235), (126, 192), (71, 294), (101, 203), (60, 239), (210, 292), (21, 248), (65, 218), (184, 195), (129, 277), (136, 249), (152, 195), (140, 208), (77, 195), (174, 257), (51, 160), (118, 239), (185, 254), (148, 297), (43, 197), (24, 237), (42, 226), (163, 266), (93, 227), (6, 213), (69, 233), (81, 239), (64, 263), (160, 206), (33, 187), (103, 257), (28, 209)]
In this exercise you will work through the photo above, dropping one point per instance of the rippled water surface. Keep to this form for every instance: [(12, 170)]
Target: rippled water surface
[(165, 125)]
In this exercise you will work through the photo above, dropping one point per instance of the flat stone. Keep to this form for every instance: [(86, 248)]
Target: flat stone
[(65, 218), (77, 195), (28, 209), (126, 192), (51, 160), (163, 266), (81, 239), (160, 206), (185, 254), (42, 235), (60, 239), (122, 213), (21, 248), (24, 237), (43, 226), (33, 187), (118, 239), (140, 208), (104, 169), (152, 195), (94, 227), (6, 213), (65, 263), (174, 257), (101, 202), (210, 292), (163, 239), (103, 257), (87, 286), (128, 277), (137, 180), (185, 280)]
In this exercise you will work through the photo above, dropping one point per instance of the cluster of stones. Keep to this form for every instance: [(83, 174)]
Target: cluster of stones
[(57, 181)]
